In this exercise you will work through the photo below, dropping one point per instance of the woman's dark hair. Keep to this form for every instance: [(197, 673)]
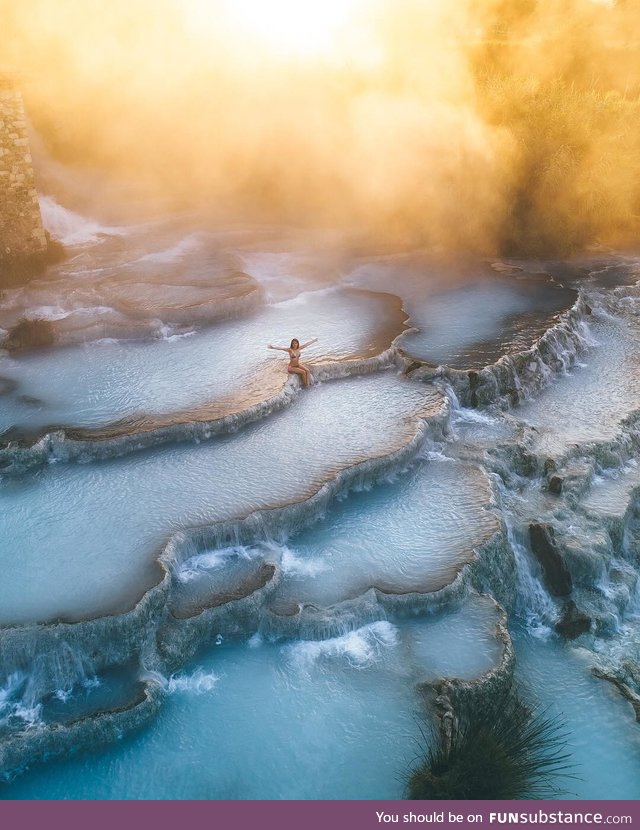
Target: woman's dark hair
[(297, 342)]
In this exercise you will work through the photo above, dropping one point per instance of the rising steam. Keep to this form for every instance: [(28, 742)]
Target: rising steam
[(475, 125)]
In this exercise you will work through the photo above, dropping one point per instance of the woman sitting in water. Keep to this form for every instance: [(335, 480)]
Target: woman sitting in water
[(295, 367)]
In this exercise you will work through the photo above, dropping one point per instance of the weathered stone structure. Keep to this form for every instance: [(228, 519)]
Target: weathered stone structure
[(23, 242)]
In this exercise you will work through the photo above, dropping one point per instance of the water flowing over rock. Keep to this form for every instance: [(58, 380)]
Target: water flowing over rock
[(326, 556)]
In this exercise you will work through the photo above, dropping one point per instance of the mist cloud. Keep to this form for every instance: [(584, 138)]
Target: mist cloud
[(473, 125)]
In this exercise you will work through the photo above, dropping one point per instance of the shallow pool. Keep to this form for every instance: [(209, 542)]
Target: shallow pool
[(336, 718), (590, 401), (94, 384), (602, 736), (78, 540)]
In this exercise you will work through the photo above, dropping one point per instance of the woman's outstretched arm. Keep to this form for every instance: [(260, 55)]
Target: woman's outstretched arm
[(278, 348), (304, 345)]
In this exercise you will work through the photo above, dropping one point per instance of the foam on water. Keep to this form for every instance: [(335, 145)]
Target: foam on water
[(20, 712), (82, 540), (198, 682), (12, 705), (115, 688), (193, 567), (213, 574), (359, 648), (98, 383), (333, 719), (292, 564), (479, 429)]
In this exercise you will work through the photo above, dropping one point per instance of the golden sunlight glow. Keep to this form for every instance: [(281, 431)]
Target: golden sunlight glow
[(293, 27)]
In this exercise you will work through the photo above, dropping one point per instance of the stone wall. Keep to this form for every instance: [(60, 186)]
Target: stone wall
[(22, 236)]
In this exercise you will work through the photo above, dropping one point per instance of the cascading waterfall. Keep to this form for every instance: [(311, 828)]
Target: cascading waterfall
[(337, 553)]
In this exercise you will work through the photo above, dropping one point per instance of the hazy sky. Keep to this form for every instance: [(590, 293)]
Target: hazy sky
[(439, 121)]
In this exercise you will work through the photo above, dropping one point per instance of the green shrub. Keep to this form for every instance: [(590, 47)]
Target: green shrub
[(503, 750)]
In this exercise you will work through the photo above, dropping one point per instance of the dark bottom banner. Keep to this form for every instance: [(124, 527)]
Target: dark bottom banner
[(314, 815)]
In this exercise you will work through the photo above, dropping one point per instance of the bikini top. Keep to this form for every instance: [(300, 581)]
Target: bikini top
[(294, 354)]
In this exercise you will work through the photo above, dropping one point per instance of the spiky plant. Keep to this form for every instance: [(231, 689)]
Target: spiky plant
[(497, 750)]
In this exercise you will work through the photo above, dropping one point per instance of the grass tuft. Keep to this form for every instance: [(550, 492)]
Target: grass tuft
[(500, 750)]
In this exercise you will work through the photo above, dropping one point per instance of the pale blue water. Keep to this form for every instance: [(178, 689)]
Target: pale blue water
[(21, 703), (603, 738), (336, 718), (473, 326), (465, 317), (97, 383), (610, 493), (590, 401), (82, 539), (414, 534), (339, 717)]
